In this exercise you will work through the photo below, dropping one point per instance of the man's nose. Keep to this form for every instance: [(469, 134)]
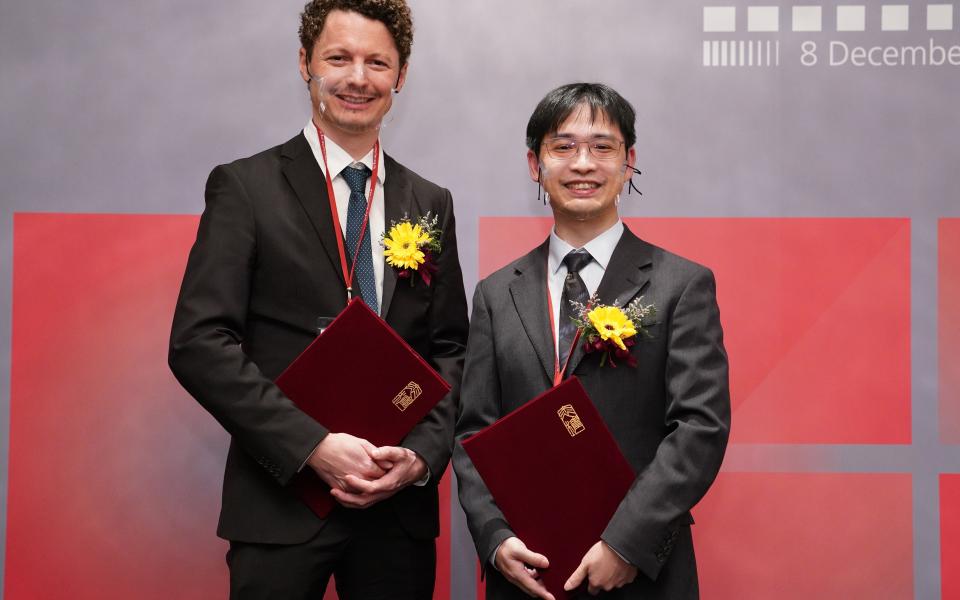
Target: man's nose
[(583, 160), (357, 72)]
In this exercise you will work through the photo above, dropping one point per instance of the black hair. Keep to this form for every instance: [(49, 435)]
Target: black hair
[(600, 99)]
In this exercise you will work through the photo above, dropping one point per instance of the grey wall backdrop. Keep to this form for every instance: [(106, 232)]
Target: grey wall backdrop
[(112, 107)]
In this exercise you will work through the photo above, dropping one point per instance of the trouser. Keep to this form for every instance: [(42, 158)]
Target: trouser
[(367, 564)]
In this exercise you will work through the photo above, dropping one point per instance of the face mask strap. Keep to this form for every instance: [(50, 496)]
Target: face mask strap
[(630, 185), (540, 186)]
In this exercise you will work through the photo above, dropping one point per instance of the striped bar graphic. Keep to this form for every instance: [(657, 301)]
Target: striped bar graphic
[(741, 53)]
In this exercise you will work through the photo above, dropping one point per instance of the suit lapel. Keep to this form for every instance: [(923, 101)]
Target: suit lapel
[(529, 293), (397, 203), (309, 184), (626, 274)]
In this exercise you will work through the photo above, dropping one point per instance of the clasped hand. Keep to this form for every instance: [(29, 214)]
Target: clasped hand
[(360, 474)]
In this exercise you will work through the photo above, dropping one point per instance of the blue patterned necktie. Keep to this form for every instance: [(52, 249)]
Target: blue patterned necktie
[(357, 178)]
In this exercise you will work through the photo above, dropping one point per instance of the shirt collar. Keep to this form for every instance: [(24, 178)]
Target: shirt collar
[(600, 248), (337, 157)]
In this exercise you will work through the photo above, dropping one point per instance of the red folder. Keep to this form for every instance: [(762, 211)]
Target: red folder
[(359, 377), (557, 475)]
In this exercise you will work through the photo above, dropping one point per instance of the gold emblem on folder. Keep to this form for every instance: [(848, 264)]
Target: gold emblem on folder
[(407, 395), (571, 420)]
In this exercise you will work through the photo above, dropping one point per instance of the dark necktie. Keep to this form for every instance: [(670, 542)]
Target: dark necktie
[(573, 289), (357, 178)]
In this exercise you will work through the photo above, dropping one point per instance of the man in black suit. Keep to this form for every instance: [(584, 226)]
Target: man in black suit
[(670, 414), (266, 265)]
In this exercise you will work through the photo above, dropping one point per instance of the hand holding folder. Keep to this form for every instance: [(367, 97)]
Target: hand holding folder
[(601, 569), (572, 476), (359, 377)]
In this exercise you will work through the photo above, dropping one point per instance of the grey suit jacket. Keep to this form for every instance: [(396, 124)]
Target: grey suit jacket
[(670, 415)]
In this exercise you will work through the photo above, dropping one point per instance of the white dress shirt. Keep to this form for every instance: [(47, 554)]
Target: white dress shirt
[(338, 159), (600, 248)]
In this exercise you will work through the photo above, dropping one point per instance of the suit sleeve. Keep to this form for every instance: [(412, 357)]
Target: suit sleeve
[(479, 408), (206, 353), (646, 523), (432, 438)]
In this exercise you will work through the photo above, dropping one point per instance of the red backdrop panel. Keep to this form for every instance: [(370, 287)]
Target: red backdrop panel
[(816, 316), (950, 536), (949, 330), (805, 535), (115, 472)]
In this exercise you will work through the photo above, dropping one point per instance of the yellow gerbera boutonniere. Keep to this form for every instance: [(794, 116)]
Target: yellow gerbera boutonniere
[(612, 330), (402, 246), (412, 247)]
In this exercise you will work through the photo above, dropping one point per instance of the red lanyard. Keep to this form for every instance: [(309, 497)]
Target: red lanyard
[(557, 371), (348, 274)]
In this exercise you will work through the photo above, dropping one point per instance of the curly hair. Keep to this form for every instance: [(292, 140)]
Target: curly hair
[(394, 14)]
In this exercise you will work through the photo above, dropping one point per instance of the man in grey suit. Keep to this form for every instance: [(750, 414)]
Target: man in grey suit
[(670, 413)]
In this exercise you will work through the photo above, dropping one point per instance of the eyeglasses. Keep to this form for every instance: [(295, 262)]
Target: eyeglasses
[(602, 148)]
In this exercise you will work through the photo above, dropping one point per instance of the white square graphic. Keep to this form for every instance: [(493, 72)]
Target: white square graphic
[(851, 18), (719, 18), (939, 17), (807, 18), (763, 18), (894, 17)]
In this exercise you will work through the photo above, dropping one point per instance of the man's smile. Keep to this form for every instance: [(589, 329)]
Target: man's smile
[(355, 100), (582, 187)]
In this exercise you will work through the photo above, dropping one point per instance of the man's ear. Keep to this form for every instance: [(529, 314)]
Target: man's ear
[(304, 65), (402, 77), (631, 161), (533, 163)]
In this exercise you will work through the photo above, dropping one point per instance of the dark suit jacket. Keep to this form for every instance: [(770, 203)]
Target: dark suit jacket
[(670, 415), (264, 267)]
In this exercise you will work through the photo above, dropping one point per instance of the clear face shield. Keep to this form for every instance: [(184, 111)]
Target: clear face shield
[(352, 94), (605, 150)]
